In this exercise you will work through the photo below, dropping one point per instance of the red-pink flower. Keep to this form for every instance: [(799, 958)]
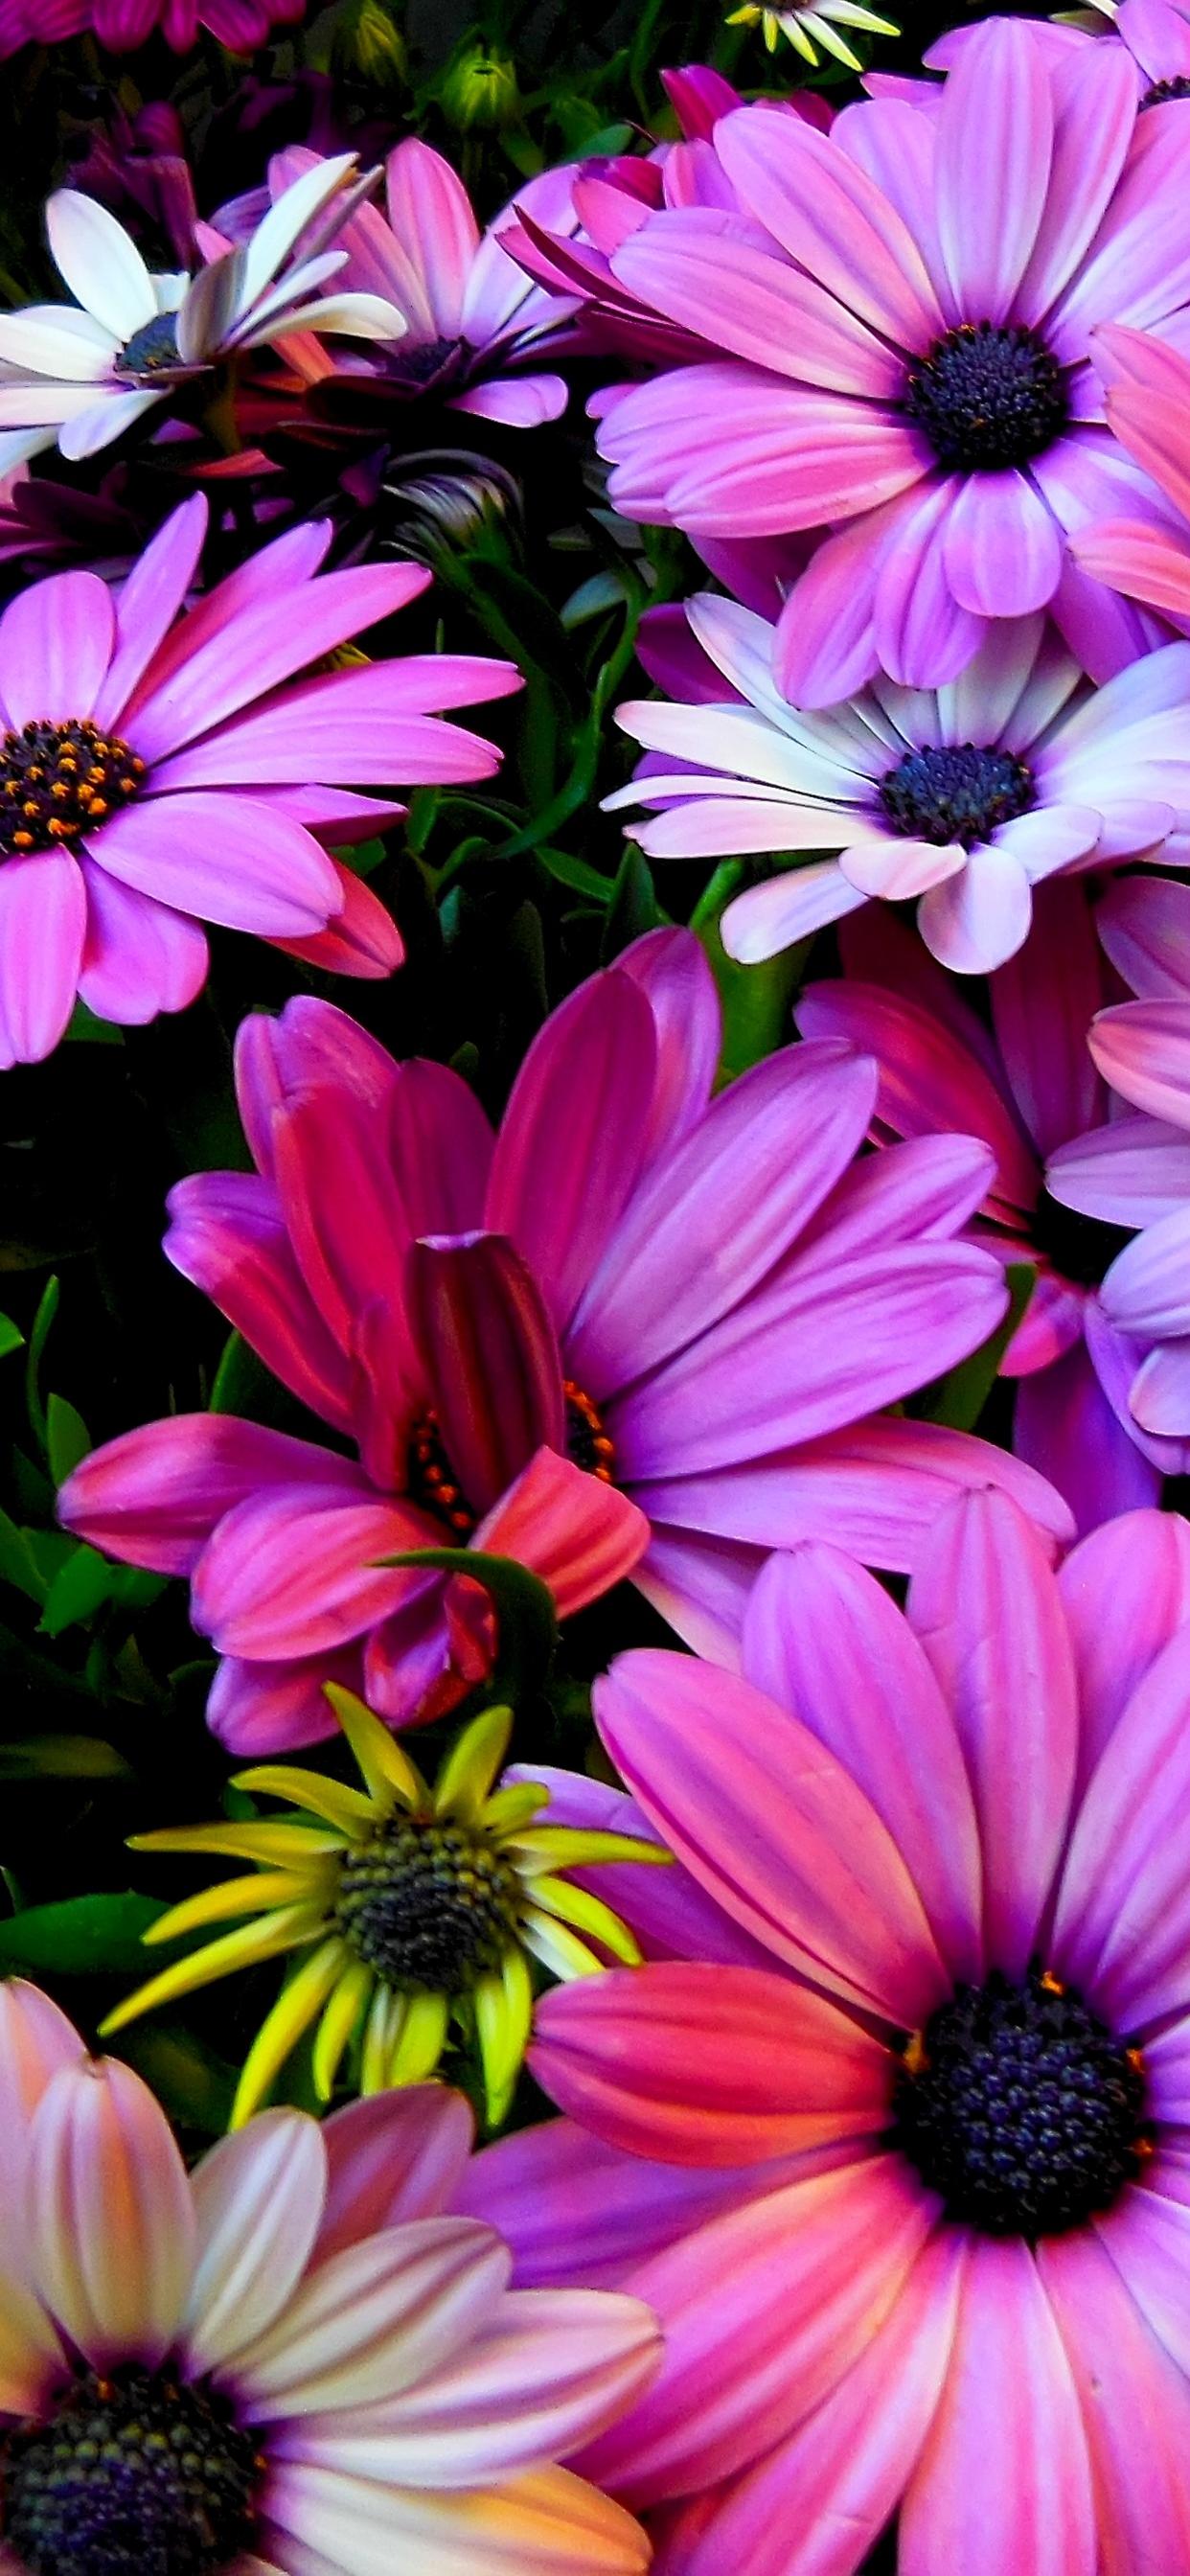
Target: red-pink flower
[(163, 766), (639, 1316), (1029, 1087), (121, 25), (903, 337), (912, 2194)]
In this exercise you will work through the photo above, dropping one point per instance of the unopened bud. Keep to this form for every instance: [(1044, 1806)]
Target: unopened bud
[(480, 89), (368, 41)]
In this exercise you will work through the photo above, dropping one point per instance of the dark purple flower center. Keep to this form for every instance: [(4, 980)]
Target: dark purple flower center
[(58, 781), (1019, 2108), (987, 396), (955, 792), (426, 363), (1163, 90), (432, 1481), (152, 351), (427, 1904), (138, 2474), (1081, 1247)]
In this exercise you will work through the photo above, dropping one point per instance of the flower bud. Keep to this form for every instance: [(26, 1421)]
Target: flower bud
[(368, 42), (479, 89)]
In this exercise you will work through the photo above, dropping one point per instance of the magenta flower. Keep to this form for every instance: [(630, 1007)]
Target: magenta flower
[(916, 2183), (638, 1317), (161, 767), (905, 332), (476, 325), (963, 798), (121, 25), (1147, 388), (294, 2357), (1154, 34), (1028, 1088), (1135, 1172)]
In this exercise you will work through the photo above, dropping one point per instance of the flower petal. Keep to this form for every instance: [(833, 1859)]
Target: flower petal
[(111, 2215), (258, 2197)]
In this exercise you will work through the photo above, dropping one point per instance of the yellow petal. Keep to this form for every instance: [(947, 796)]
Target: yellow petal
[(568, 1847), (346, 1808), (338, 2023), (558, 1949), (508, 1809), (260, 1894), (503, 2020), (267, 1939), (278, 1841), (471, 1765), (588, 1914), (421, 2041), (293, 2012), (380, 2039), (382, 1762)]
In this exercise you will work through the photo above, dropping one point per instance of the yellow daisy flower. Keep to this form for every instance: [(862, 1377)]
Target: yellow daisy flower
[(412, 1905), (808, 29)]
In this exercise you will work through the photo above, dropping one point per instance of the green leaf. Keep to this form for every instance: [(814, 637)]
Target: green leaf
[(633, 908), (84, 1936), (196, 2087), (18, 1565), (577, 874), (62, 1757), (756, 999), (524, 1606), (77, 1591), (958, 1399), (38, 1338), (67, 1438), (11, 1336)]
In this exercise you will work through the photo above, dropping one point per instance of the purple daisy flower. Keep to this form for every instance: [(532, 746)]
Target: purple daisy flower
[(905, 328), (156, 772), (961, 798)]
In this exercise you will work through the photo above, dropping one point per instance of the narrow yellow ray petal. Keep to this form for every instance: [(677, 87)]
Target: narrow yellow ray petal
[(421, 2041), (471, 1765), (503, 2020), (292, 2014), (347, 1808), (569, 1847), (830, 41), (275, 1839), (384, 1764), (260, 1894), (347, 2004), (558, 1948), (508, 1809), (380, 2039), (576, 1905), (266, 1939)]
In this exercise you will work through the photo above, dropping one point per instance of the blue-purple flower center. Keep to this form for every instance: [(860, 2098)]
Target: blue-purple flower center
[(58, 781), (1020, 2109), (1162, 91), (432, 1478), (955, 792), (427, 1903), (152, 351), (427, 362), (987, 395), (136, 2474)]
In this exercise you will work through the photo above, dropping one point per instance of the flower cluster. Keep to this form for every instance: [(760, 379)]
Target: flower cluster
[(700, 1352)]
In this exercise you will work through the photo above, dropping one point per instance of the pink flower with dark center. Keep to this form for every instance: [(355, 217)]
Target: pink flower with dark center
[(1029, 1087), (638, 1318), (477, 327), (293, 2357), (163, 766), (1135, 1172), (905, 327), (122, 25), (908, 2182)]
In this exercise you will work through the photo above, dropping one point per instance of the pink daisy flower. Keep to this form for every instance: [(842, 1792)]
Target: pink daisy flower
[(121, 25), (1029, 1087), (476, 327), (161, 766), (1155, 35), (906, 334), (639, 1317), (964, 797), (1135, 1172), (923, 2172), (287, 2359)]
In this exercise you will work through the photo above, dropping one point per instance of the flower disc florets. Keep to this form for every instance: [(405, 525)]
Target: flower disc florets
[(427, 1904), (60, 780), (1019, 2107), (134, 2475), (955, 792), (152, 351), (988, 396)]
